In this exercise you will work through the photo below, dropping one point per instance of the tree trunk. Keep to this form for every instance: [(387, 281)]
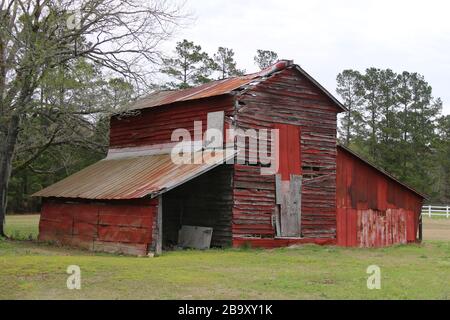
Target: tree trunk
[(7, 152), (349, 119), (373, 134)]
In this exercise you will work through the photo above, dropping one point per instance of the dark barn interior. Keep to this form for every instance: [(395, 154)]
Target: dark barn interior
[(205, 201)]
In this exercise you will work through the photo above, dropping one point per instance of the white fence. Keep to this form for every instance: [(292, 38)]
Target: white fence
[(436, 211)]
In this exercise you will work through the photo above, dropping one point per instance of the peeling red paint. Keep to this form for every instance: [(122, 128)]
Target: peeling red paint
[(373, 209), (156, 125), (121, 228)]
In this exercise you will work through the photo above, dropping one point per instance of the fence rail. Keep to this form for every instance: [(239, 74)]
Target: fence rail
[(436, 211)]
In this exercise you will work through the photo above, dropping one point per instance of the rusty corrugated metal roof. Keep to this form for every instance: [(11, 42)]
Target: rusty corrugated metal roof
[(220, 87), (131, 178), (211, 89)]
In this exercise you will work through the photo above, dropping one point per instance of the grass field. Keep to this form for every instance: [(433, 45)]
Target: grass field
[(22, 227), (37, 271)]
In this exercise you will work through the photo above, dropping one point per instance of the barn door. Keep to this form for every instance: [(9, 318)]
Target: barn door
[(288, 182)]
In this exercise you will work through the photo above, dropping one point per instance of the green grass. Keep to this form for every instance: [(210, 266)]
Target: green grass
[(22, 227), (38, 271), (444, 217)]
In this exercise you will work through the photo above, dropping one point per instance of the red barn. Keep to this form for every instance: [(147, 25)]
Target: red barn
[(306, 189)]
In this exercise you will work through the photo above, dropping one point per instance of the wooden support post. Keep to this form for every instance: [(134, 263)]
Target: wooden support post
[(429, 211), (277, 220), (158, 248), (300, 182), (420, 227)]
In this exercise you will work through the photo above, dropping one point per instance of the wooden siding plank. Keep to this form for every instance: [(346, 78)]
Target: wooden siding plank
[(155, 125)]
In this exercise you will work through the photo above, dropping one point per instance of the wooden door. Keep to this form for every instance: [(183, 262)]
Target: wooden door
[(288, 182)]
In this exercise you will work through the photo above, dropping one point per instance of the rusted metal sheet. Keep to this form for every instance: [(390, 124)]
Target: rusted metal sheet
[(373, 208), (132, 178), (211, 89)]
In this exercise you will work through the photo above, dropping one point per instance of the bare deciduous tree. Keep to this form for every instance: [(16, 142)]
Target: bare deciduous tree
[(40, 36)]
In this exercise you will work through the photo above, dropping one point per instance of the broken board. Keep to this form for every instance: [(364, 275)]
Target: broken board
[(195, 237)]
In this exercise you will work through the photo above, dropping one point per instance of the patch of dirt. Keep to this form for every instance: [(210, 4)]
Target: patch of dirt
[(436, 229)]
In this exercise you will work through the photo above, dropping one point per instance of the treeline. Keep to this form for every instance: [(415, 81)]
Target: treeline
[(191, 66), (394, 121)]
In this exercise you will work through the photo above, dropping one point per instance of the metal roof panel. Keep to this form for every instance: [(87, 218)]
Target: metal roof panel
[(132, 177)]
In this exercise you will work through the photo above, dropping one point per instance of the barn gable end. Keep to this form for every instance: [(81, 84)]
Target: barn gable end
[(290, 98)]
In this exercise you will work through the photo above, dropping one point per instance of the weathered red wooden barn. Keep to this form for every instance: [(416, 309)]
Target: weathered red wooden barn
[(136, 199)]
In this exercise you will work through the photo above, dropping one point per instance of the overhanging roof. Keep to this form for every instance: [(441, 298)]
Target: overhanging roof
[(226, 86), (132, 177)]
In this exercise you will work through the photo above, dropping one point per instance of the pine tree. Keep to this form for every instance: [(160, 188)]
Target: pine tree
[(265, 58), (398, 126), (225, 64), (189, 67), (441, 170), (349, 87)]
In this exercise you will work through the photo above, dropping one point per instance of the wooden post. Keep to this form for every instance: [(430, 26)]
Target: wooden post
[(429, 211), (158, 248), (420, 227), (448, 212)]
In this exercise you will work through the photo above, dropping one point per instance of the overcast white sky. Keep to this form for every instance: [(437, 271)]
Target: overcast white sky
[(326, 37)]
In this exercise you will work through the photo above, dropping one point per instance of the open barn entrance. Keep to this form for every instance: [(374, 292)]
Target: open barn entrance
[(205, 201)]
